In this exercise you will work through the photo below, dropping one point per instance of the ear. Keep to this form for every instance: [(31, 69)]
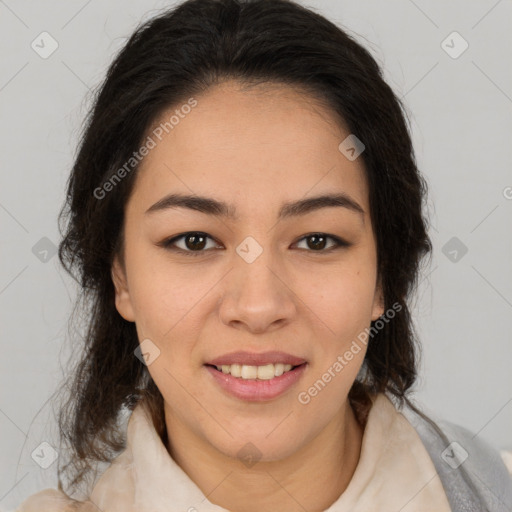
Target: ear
[(123, 300), (378, 301)]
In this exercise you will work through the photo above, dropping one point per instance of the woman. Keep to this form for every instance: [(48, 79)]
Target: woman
[(245, 219)]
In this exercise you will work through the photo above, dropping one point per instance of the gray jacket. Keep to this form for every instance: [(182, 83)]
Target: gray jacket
[(473, 474)]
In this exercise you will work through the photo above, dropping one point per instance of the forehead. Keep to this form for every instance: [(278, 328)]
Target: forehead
[(258, 146)]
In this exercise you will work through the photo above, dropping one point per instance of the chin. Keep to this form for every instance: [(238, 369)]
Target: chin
[(263, 445)]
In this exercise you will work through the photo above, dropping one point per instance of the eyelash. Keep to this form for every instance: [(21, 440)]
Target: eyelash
[(167, 244)]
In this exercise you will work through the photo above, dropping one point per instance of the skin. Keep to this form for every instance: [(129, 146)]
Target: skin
[(254, 149)]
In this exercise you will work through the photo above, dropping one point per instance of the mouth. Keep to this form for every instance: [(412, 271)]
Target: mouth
[(251, 372), (256, 383)]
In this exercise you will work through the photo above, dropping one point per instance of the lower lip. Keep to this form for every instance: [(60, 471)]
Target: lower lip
[(257, 390)]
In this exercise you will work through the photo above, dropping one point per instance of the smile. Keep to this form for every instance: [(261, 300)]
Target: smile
[(256, 383), (265, 372)]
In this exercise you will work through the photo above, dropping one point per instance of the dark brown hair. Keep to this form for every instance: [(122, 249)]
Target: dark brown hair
[(180, 53)]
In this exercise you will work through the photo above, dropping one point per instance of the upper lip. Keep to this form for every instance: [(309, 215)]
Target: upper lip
[(256, 359)]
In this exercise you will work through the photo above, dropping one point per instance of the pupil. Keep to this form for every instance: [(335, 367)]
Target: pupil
[(198, 246), (318, 245)]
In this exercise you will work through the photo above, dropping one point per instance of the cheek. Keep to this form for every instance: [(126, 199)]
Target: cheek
[(171, 303), (163, 294), (343, 300)]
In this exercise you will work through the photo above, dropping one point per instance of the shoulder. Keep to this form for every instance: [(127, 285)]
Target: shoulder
[(52, 500), (468, 466)]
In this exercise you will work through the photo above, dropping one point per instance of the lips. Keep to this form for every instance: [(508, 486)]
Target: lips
[(256, 359), (255, 390)]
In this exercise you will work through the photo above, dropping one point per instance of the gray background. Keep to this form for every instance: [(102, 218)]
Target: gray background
[(460, 113)]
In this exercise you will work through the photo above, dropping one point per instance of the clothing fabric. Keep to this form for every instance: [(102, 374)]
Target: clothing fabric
[(403, 466), (473, 474)]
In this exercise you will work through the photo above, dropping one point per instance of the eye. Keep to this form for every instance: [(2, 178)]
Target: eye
[(193, 243), (318, 242)]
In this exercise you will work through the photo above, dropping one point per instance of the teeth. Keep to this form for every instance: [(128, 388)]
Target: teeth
[(266, 372)]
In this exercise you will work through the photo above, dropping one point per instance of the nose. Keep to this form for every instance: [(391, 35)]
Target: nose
[(257, 297)]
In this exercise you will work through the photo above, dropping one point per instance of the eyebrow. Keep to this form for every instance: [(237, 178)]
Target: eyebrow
[(217, 208)]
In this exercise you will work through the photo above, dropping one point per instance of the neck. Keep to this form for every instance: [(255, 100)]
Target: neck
[(285, 484)]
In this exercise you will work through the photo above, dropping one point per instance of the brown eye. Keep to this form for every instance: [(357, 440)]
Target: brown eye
[(192, 243), (195, 242), (317, 242)]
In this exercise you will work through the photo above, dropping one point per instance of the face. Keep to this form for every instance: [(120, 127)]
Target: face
[(202, 282)]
